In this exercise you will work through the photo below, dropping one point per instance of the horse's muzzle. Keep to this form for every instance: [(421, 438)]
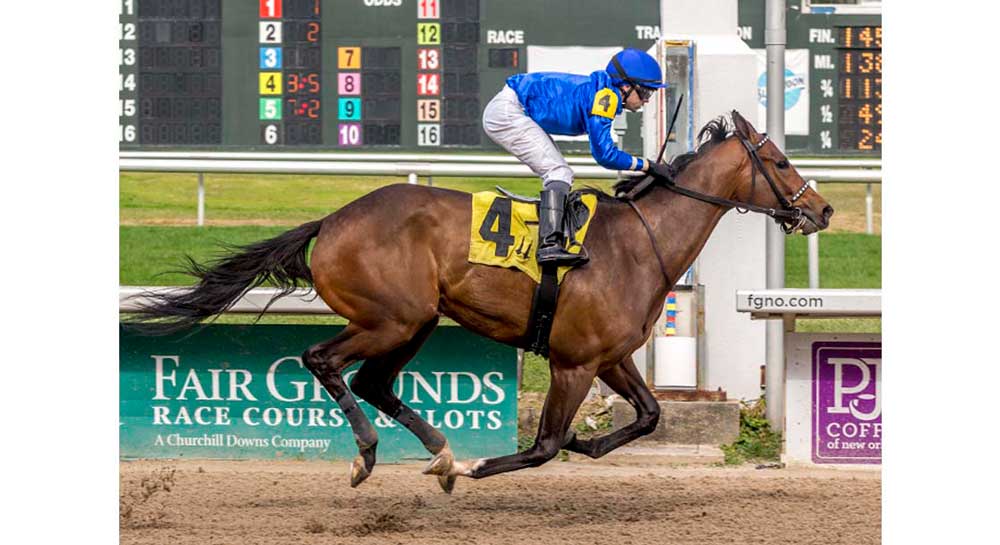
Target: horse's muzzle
[(816, 222)]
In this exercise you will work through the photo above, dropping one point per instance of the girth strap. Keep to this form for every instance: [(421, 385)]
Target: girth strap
[(543, 311)]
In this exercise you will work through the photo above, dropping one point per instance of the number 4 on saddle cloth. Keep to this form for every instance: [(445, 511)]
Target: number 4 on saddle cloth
[(504, 233)]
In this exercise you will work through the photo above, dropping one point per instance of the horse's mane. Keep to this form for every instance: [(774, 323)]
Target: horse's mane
[(713, 133)]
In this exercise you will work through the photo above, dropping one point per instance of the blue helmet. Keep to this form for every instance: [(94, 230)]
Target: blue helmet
[(635, 68)]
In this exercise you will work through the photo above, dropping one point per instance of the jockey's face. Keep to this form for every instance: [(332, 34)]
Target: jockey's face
[(635, 99)]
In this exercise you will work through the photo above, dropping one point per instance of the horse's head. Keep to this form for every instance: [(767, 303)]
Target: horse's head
[(766, 178)]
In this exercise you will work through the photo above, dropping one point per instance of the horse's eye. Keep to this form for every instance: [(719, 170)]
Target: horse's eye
[(782, 164)]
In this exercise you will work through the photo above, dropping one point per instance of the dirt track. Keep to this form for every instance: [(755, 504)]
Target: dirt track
[(561, 502)]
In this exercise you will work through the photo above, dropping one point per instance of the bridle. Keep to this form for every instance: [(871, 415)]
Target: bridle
[(788, 217)]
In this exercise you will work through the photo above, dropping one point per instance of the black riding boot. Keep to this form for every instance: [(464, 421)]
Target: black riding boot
[(551, 231)]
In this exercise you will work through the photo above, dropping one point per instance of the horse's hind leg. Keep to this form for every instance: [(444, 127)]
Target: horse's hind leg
[(373, 383), (326, 361), (568, 389), (625, 380)]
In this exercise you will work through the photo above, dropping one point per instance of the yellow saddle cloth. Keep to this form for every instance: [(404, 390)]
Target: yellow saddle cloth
[(504, 233)]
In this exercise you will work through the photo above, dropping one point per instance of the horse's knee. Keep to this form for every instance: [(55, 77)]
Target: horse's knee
[(328, 374), (312, 360)]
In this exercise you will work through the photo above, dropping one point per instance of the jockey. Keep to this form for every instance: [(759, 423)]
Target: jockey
[(532, 106)]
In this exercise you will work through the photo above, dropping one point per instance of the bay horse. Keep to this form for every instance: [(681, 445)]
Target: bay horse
[(395, 260)]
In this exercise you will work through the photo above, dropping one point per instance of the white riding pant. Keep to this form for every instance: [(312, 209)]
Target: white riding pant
[(506, 124)]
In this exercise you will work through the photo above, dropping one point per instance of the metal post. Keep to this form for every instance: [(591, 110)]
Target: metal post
[(412, 178), (201, 199), (774, 40), (868, 210), (430, 180), (813, 242)]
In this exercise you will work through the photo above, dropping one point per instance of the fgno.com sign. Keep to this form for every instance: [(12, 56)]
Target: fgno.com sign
[(241, 392)]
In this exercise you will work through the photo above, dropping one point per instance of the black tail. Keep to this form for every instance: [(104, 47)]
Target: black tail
[(282, 260)]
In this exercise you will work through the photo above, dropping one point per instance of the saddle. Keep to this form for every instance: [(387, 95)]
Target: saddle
[(575, 217), (504, 232)]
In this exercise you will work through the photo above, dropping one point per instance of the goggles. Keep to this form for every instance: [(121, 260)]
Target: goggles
[(644, 92)]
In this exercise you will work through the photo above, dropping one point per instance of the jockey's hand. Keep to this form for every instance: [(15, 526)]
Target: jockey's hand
[(661, 170)]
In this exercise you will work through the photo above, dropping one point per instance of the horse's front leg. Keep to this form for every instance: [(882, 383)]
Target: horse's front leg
[(625, 380), (568, 389)]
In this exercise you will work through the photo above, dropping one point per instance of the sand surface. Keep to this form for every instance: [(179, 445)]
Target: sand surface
[(289, 502)]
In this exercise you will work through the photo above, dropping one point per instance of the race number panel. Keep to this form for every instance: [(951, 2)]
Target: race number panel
[(286, 75), (128, 73), (429, 67)]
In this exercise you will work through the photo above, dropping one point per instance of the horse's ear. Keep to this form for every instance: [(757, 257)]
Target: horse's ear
[(744, 128)]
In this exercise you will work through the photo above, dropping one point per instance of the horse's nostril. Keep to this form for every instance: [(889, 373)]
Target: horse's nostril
[(827, 212)]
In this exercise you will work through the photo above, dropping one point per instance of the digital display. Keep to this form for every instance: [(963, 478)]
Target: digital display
[(859, 100), (380, 102), (259, 75), (460, 75), (179, 72), (860, 37), (504, 58)]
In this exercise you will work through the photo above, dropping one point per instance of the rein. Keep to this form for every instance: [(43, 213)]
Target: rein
[(652, 240)]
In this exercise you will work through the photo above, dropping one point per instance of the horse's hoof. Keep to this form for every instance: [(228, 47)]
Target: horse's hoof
[(441, 463), (359, 472), (447, 482)]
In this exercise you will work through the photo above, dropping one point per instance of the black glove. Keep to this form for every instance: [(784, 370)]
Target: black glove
[(661, 170)]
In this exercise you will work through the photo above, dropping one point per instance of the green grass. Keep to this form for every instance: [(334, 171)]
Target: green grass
[(273, 199), (846, 260), (148, 254), (535, 376)]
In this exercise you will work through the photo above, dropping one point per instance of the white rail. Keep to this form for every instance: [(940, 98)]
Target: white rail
[(428, 158), (301, 301), (498, 170)]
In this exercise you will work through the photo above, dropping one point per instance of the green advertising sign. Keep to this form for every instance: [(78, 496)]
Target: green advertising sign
[(241, 392)]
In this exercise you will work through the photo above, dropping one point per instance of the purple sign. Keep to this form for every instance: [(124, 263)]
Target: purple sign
[(847, 402)]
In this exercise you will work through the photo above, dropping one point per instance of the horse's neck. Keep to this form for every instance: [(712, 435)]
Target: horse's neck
[(681, 224)]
